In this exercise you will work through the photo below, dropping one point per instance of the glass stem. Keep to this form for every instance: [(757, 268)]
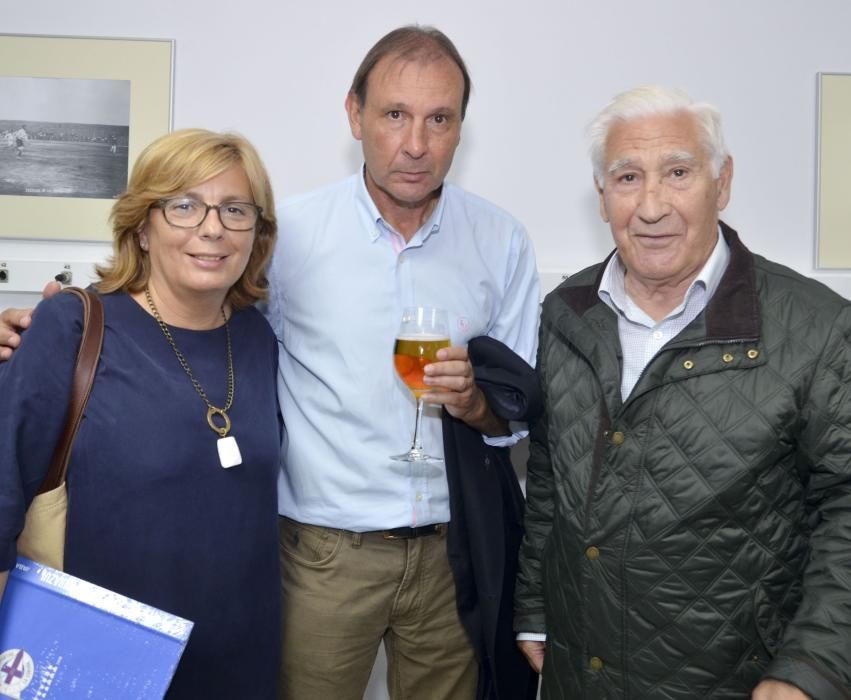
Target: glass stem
[(417, 445)]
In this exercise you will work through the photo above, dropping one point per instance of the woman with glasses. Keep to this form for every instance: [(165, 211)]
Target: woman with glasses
[(172, 478)]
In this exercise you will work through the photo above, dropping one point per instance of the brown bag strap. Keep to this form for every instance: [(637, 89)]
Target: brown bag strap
[(84, 377)]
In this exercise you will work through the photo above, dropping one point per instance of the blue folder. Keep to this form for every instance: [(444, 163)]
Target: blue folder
[(62, 637)]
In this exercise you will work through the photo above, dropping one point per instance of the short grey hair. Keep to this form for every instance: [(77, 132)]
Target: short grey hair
[(651, 101)]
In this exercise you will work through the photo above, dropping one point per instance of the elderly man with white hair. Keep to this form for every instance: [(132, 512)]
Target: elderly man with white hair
[(688, 526)]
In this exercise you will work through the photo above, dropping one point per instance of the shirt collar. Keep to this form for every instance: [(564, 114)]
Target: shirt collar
[(612, 290), (380, 227)]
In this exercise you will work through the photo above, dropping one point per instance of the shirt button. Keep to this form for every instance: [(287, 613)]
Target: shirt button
[(688, 364), (596, 663), (753, 354), (727, 357), (592, 552), (419, 496), (618, 438), (657, 335)]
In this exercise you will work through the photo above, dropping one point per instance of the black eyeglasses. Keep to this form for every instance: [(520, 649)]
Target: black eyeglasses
[(187, 212)]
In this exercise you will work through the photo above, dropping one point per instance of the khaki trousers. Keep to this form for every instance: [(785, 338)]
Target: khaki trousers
[(345, 592)]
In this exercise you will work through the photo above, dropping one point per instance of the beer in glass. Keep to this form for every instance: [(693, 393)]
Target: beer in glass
[(423, 331)]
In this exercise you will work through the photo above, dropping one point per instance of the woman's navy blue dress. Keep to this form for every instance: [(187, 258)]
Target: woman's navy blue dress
[(152, 514)]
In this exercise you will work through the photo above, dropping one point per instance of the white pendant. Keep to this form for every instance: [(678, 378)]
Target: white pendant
[(229, 454)]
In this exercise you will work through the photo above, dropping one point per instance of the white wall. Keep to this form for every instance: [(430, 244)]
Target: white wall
[(541, 69)]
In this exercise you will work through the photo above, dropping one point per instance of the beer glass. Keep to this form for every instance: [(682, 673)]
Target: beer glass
[(423, 331)]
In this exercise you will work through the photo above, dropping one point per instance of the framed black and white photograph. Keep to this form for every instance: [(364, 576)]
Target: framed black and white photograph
[(63, 137), (833, 205), (74, 114)]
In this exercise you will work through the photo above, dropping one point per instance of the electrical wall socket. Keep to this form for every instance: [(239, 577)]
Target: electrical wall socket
[(32, 275)]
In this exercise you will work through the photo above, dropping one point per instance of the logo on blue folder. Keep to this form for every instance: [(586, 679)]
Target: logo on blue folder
[(16, 672)]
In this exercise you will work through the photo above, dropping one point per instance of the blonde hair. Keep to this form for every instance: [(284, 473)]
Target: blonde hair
[(171, 165)]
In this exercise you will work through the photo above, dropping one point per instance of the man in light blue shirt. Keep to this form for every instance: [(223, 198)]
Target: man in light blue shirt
[(339, 282), (362, 536)]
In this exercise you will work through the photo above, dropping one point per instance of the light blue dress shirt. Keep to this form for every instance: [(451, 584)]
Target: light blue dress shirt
[(340, 278)]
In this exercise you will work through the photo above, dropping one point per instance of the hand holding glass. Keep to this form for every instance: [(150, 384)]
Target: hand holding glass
[(424, 331)]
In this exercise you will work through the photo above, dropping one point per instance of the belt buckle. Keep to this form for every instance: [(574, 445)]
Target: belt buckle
[(410, 533), (394, 535)]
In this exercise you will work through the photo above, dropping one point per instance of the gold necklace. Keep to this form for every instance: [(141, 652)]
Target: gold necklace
[(229, 454)]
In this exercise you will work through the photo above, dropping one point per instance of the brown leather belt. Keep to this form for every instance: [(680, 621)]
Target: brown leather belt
[(409, 533)]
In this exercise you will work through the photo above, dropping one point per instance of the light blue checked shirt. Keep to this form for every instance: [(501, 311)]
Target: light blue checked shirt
[(641, 337)]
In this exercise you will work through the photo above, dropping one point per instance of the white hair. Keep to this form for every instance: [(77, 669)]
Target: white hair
[(651, 101)]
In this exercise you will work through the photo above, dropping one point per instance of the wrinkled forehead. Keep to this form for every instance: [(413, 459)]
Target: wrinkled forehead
[(424, 70)]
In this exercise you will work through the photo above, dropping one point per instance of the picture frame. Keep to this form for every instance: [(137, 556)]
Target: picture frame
[(833, 198), (145, 66)]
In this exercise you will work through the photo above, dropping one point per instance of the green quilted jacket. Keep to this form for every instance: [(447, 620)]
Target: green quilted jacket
[(695, 538)]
